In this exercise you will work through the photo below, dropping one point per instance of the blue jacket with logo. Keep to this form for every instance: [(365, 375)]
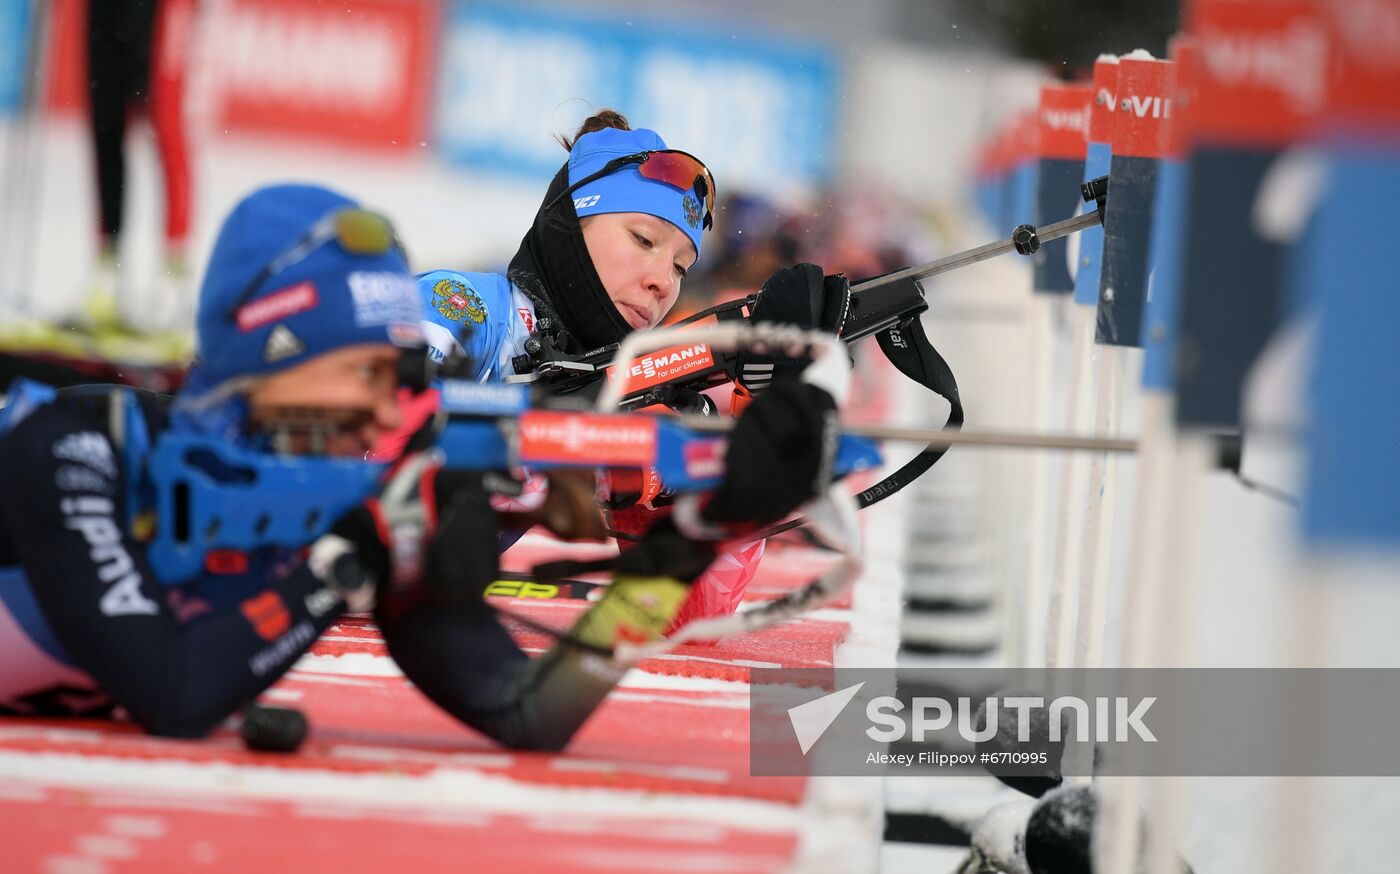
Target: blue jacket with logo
[(84, 621), (484, 314)]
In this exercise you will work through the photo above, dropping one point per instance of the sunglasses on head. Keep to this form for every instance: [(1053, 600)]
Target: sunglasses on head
[(358, 231), (680, 170)]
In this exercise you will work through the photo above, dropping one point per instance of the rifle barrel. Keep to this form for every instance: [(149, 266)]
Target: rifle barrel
[(981, 253), (941, 437)]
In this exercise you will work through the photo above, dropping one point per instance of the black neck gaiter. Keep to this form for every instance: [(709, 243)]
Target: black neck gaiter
[(553, 267)]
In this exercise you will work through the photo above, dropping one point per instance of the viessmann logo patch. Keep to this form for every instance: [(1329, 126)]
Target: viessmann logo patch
[(592, 439), (659, 367)]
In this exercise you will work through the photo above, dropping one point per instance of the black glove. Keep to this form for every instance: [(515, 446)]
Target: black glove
[(464, 552), (779, 456), (352, 559), (665, 552), (390, 540), (800, 296)]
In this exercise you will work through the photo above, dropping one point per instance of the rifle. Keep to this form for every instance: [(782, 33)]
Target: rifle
[(217, 502), (215, 499), (249, 500), (878, 305), (887, 307)]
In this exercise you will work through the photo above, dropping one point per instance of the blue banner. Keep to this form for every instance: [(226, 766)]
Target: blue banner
[(1353, 484), (14, 26), (1056, 199), (759, 110), (1161, 311), (1086, 277)]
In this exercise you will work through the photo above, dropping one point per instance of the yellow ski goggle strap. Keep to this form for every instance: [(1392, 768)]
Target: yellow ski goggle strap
[(358, 231)]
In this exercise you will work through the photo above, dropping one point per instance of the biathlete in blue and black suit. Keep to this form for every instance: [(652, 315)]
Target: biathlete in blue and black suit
[(306, 312)]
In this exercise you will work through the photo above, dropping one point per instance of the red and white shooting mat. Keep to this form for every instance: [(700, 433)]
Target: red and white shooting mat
[(657, 780)]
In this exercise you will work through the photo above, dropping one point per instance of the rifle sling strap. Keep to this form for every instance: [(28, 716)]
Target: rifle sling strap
[(909, 350)]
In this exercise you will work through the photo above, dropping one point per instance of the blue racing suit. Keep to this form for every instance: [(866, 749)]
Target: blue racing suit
[(86, 625), (484, 314), (84, 622)]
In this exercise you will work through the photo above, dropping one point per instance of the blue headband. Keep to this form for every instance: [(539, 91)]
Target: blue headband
[(627, 190)]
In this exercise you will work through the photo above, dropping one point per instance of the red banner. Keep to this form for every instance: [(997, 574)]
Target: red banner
[(353, 72), (1105, 99), (1367, 87), (1063, 120), (1144, 104), (1183, 83), (1264, 70)]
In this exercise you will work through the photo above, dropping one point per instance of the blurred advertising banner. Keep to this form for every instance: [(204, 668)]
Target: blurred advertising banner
[(353, 72), (1263, 79), (14, 24), (758, 109)]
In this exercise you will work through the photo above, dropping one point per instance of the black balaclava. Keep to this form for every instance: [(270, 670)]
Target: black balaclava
[(553, 267)]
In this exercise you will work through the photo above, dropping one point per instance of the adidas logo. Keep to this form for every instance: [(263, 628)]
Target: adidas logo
[(282, 344)]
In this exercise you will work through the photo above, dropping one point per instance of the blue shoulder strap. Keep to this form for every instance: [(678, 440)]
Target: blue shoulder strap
[(25, 396)]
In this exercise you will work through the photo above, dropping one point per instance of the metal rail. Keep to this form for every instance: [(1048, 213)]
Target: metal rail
[(941, 437)]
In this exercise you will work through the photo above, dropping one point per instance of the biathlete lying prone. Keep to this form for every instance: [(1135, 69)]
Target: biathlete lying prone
[(306, 314)]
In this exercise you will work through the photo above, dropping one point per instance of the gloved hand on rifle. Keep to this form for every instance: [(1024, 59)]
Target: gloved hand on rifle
[(393, 542), (779, 456), (800, 296)]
